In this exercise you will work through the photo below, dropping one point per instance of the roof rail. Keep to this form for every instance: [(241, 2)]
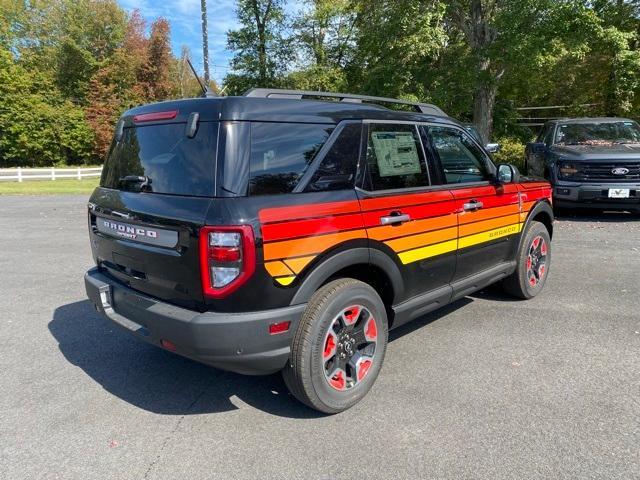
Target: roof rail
[(426, 108)]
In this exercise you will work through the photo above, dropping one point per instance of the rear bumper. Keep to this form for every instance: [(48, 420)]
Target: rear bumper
[(237, 342), (595, 195)]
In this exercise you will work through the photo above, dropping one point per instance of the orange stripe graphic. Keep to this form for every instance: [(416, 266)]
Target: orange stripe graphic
[(421, 240), (309, 245), (411, 228)]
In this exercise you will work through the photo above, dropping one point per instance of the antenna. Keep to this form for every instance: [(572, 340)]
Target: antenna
[(205, 90)]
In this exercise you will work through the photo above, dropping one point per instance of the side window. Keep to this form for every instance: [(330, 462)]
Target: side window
[(337, 170), (548, 137), (543, 134), (281, 153), (461, 160), (395, 158)]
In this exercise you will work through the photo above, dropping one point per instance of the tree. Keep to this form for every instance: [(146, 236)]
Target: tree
[(38, 126), (156, 70), (396, 43), (324, 34), (261, 49), (506, 37)]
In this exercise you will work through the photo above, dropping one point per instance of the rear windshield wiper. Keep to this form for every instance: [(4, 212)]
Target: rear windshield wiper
[(143, 180)]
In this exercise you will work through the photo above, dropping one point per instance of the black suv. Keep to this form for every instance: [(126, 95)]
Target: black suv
[(276, 231), (591, 162)]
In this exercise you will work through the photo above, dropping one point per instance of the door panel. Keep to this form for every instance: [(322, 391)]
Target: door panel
[(405, 215), (488, 235), (424, 247)]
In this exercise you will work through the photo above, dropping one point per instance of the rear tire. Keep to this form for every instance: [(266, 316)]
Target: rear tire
[(533, 260), (339, 346)]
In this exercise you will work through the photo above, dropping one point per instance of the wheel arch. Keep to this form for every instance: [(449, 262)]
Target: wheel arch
[(367, 265), (541, 212)]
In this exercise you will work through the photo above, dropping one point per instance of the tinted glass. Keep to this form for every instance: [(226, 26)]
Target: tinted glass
[(395, 158), (461, 160), (598, 133), (338, 167), (170, 161), (281, 153)]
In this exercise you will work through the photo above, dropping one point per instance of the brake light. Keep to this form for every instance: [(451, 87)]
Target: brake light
[(150, 117), (227, 258)]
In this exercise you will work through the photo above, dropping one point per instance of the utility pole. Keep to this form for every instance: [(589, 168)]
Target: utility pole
[(205, 41)]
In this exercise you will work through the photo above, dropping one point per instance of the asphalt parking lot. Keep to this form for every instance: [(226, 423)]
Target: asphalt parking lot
[(487, 388)]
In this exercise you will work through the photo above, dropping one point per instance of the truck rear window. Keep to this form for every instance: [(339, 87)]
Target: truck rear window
[(163, 159)]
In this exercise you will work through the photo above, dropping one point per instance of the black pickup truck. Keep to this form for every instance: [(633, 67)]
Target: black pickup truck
[(591, 162)]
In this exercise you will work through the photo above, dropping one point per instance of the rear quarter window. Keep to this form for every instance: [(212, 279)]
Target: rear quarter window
[(172, 162), (281, 153)]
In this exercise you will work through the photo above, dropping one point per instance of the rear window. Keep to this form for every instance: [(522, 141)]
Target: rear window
[(281, 153), (164, 160)]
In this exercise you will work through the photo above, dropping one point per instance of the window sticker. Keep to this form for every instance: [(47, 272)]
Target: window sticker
[(396, 153)]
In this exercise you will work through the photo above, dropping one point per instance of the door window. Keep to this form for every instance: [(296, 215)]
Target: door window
[(462, 161), (337, 169), (395, 158)]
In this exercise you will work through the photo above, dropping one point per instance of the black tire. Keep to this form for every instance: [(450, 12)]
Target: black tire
[(307, 372), (521, 283)]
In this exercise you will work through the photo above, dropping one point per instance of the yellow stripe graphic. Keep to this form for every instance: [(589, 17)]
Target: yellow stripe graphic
[(285, 280), (490, 235), (429, 251)]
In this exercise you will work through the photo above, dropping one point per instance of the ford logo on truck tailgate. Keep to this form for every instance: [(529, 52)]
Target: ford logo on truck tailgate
[(138, 233), (620, 171)]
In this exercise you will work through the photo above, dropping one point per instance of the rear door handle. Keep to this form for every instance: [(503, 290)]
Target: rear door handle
[(394, 219), (472, 206)]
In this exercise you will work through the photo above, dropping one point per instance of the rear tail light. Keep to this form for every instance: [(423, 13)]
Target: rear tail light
[(227, 258)]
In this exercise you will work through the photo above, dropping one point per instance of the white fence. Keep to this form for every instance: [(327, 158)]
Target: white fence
[(22, 174)]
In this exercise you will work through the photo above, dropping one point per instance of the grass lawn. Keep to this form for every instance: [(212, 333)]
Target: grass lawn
[(49, 187)]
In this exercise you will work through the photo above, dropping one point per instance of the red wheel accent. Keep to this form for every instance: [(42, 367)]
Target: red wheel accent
[(338, 380), (329, 346), (349, 349), (536, 242), (536, 260), (371, 330), (351, 315), (363, 368)]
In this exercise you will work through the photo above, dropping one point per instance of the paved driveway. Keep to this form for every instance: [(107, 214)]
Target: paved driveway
[(486, 388)]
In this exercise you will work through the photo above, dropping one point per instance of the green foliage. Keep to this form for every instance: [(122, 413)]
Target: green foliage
[(38, 126), (69, 68), (511, 151), (261, 50)]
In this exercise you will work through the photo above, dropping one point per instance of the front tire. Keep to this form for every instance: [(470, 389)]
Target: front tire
[(339, 346), (533, 260)]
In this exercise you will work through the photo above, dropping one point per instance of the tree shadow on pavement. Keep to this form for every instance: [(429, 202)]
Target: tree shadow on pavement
[(595, 215), (158, 381)]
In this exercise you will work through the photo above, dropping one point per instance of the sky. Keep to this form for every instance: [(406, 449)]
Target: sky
[(186, 29)]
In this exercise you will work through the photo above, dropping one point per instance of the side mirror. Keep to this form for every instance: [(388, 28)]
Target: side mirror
[(492, 147), (536, 147), (507, 173)]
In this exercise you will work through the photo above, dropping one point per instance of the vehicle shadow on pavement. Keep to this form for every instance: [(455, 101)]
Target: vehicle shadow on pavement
[(158, 381), (161, 382)]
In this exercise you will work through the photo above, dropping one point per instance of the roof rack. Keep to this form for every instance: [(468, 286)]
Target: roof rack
[(426, 108)]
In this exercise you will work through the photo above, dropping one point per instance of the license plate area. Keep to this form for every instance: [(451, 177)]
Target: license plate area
[(619, 193)]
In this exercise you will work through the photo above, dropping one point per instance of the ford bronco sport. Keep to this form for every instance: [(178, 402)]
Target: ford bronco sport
[(288, 230)]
